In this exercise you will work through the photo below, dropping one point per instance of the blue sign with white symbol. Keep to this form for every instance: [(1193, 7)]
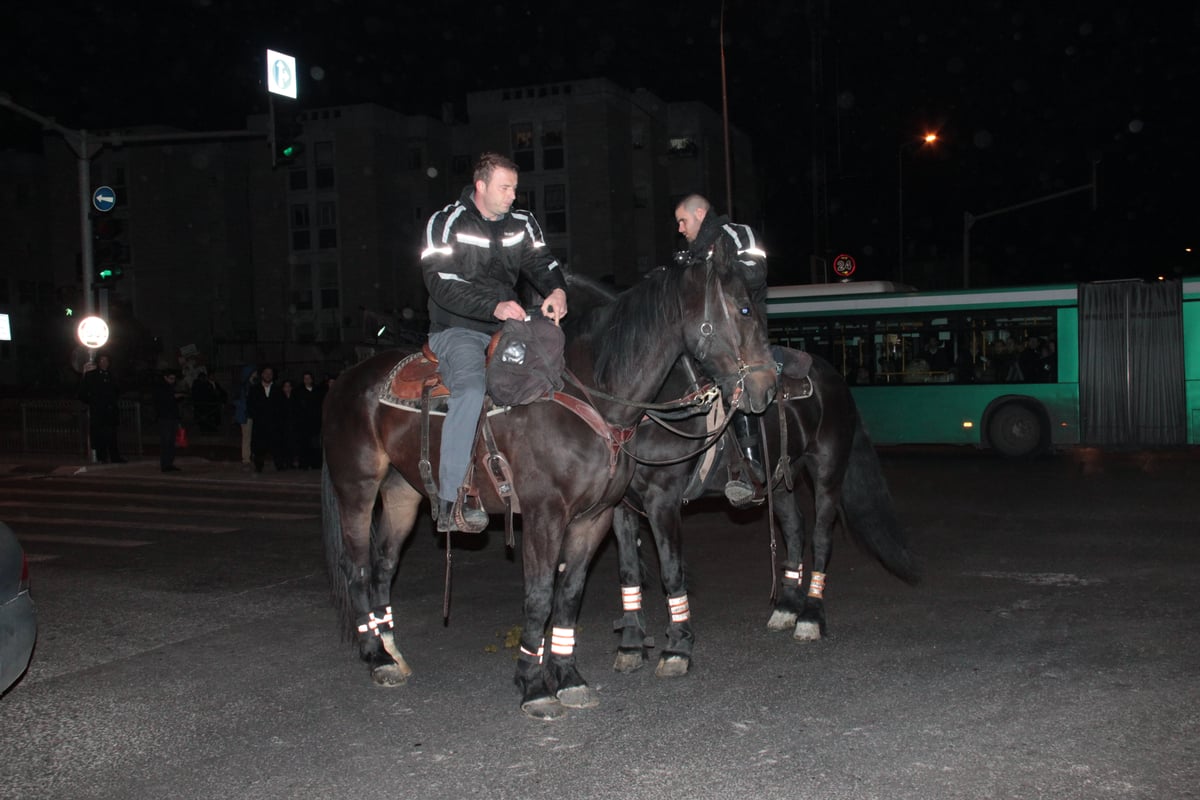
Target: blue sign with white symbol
[(104, 198)]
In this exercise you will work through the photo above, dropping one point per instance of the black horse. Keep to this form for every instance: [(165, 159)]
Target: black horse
[(815, 424), (568, 464)]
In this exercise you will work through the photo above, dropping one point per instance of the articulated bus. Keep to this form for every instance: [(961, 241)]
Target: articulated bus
[(1114, 364)]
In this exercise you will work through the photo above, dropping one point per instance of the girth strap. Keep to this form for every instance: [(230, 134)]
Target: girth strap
[(616, 437), (424, 465), (500, 472)]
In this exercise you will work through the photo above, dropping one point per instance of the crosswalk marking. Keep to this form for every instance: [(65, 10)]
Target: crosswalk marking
[(26, 519), (192, 512), (54, 538)]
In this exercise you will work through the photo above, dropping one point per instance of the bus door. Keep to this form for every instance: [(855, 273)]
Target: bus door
[(1131, 367)]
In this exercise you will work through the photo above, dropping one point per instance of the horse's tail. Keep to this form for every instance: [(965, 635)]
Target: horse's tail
[(339, 586), (868, 511)]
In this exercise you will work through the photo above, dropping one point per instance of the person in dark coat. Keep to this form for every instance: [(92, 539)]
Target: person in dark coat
[(166, 406), (309, 399), (264, 405), (100, 392)]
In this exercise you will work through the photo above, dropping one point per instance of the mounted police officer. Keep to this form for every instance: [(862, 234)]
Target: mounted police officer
[(476, 249), (701, 227)]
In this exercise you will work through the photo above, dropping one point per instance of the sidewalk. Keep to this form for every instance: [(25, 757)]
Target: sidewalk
[(193, 468)]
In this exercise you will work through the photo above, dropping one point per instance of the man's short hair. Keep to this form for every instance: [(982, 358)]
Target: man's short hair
[(489, 162), (693, 202)]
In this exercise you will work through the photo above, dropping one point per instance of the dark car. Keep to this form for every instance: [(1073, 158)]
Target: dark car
[(18, 616)]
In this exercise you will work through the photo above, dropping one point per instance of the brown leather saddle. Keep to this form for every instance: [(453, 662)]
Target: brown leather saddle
[(409, 378)]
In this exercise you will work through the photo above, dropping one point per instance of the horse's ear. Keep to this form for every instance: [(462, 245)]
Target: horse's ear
[(724, 255)]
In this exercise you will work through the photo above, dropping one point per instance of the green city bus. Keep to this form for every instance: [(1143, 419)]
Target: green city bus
[(1019, 370)]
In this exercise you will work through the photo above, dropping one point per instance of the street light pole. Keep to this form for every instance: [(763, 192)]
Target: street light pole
[(928, 138)]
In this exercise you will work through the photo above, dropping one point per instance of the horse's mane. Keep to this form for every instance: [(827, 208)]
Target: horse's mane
[(621, 326)]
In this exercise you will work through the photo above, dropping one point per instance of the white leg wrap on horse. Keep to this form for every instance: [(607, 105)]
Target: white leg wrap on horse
[(562, 641), (816, 585), (678, 606), (794, 576), (631, 598), (539, 655), (376, 625)]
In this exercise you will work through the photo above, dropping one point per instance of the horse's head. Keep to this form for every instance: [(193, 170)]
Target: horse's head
[(724, 331)]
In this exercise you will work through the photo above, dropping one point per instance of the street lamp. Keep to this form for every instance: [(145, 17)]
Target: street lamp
[(928, 138)]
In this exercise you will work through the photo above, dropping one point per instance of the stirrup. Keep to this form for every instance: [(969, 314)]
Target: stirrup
[(457, 516), (740, 494)]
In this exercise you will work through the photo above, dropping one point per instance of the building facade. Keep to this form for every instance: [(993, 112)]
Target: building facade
[(313, 263)]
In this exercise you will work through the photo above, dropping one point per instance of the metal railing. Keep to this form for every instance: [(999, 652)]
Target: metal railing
[(61, 426)]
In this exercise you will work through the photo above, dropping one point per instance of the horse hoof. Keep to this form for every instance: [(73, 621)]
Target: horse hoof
[(672, 667), (544, 708), (629, 661), (578, 697), (781, 620), (807, 632), (390, 675)]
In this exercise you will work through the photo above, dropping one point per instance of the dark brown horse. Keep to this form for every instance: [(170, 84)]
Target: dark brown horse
[(829, 461), (568, 472)]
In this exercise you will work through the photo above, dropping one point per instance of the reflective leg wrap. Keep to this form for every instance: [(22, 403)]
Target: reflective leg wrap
[(531, 657), (562, 642), (816, 585), (631, 598), (678, 608), (376, 622), (793, 577)]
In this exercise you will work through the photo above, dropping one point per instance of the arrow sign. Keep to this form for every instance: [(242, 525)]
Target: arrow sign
[(104, 198)]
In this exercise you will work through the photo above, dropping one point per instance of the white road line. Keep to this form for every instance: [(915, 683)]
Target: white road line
[(54, 538), (191, 512), (24, 519)]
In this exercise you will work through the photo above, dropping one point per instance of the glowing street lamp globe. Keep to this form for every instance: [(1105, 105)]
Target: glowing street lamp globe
[(92, 332)]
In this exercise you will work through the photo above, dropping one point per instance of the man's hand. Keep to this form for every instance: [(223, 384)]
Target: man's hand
[(509, 309), (555, 306)]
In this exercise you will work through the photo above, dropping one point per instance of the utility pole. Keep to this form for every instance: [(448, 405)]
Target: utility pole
[(85, 148)]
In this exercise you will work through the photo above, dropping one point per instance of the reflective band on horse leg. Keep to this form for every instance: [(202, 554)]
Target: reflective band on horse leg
[(794, 576), (631, 598), (816, 584), (562, 641), (374, 623), (540, 651), (678, 606)]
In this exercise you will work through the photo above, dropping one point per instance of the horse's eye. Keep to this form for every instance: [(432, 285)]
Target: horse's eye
[(745, 311)]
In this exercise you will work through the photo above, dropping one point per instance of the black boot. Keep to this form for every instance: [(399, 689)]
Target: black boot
[(458, 516), (745, 490)]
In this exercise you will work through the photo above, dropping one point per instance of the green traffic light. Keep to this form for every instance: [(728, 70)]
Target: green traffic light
[(289, 151), (105, 274)]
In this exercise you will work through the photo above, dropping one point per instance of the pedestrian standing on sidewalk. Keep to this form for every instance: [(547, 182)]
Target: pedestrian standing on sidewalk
[(166, 405), (240, 416), (99, 391)]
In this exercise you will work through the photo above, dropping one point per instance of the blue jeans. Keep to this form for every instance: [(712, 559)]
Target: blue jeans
[(462, 355)]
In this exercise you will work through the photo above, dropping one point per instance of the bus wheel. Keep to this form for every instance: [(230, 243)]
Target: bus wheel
[(1015, 431)]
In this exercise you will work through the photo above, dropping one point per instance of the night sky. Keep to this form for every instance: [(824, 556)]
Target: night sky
[(1024, 95)]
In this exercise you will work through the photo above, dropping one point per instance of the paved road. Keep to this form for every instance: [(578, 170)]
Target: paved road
[(187, 650)]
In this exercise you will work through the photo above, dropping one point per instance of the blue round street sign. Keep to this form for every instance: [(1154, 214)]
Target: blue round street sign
[(104, 198)]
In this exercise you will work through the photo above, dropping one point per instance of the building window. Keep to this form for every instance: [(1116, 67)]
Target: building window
[(682, 147), (323, 155), (461, 165), (302, 288), (298, 180), (527, 199), (328, 285), (522, 145), (555, 219), (327, 225), (300, 215), (414, 158), (639, 136), (301, 240), (552, 145)]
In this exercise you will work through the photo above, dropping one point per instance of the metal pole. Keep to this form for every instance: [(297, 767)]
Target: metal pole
[(725, 120), (85, 222), (900, 212), (968, 221)]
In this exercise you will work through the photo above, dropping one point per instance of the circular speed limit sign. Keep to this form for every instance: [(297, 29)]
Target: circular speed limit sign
[(844, 265)]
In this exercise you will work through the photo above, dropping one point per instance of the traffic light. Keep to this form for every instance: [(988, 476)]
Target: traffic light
[(286, 146), (109, 251)]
